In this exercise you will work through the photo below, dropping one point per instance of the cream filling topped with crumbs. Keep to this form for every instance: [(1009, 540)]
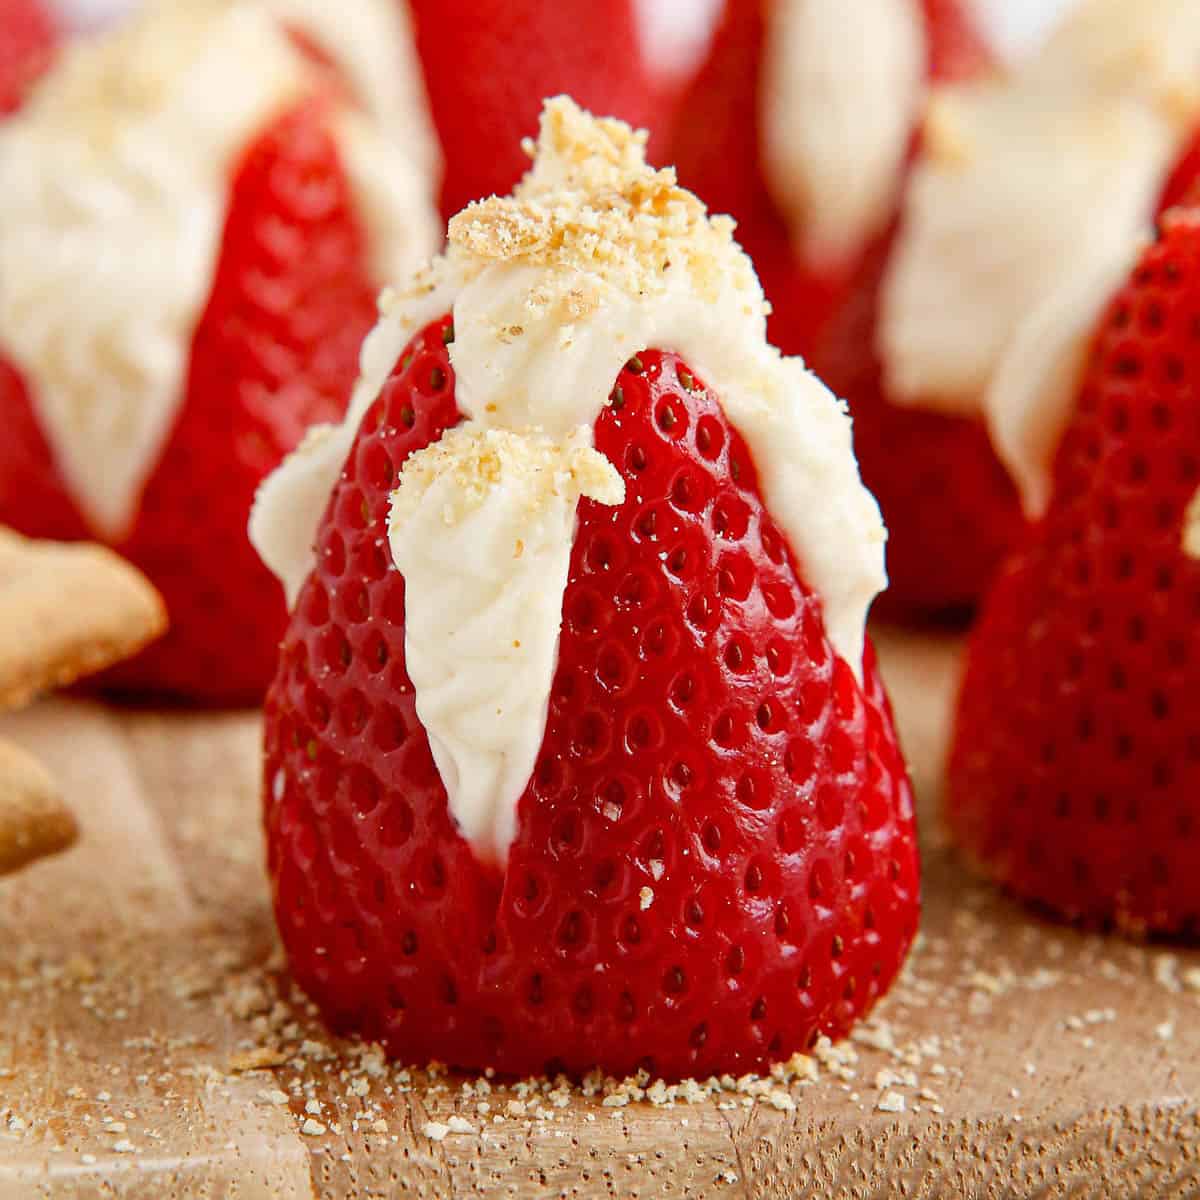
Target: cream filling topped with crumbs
[(114, 189), (482, 525), (594, 257), (1034, 193), (843, 83)]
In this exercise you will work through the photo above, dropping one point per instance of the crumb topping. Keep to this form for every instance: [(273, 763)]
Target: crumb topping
[(591, 206), (476, 460)]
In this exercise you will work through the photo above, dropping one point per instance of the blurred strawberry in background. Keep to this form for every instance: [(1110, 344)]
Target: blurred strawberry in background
[(195, 220), (803, 123), (488, 64), (154, 428), (27, 39)]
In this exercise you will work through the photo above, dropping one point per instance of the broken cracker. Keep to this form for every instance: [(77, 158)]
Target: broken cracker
[(33, 820), (67, 610)]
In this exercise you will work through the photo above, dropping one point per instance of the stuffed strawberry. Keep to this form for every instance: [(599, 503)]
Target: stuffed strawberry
[(802, 125), (576, 754), (194, 223), (1075, 776), (1015, 213)]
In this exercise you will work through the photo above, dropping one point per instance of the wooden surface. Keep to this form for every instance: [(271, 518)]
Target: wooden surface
[(139, 981)]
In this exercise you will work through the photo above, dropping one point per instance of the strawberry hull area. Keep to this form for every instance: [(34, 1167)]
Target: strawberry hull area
[(149, 1046)]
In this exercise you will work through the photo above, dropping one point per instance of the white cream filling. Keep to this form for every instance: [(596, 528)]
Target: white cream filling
[(1031, 190), (482, 525), (842, 88), (114, 189), (393, 197), (541, 334), (1032, 394), (371, 43)]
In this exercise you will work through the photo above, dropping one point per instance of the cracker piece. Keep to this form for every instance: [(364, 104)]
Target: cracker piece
[(33, 820), (67, 610)]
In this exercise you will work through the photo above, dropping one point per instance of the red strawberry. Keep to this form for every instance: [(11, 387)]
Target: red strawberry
[(275, 350), (1075, 773), (27, 40), (714, 860), (951, 508), (1181, 186), (717, 149), (489, 65)]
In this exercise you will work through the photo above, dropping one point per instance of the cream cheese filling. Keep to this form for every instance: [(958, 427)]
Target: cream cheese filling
[(842, 88)]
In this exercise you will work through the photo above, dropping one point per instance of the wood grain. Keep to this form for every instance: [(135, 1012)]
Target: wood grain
[(139, 977)]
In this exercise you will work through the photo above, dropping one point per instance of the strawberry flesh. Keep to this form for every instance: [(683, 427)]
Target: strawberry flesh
[(714, 861)]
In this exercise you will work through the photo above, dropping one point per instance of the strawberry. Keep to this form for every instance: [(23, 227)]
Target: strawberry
[(940, 554), (1076, 762), (952, 511), (27, 40), (274, 347), (714, 861), (275, 350), (717, 145), (951, 508), (488, 67), (248, 402)]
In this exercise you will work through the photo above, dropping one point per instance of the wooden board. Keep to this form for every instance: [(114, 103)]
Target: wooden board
[(139, 975)]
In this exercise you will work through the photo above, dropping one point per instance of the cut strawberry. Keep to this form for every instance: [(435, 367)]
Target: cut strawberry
[(276, 350), (714, 861), (951, 510), (1075, 773), (27, 40)]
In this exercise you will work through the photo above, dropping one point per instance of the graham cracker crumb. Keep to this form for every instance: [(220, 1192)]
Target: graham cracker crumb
[(259, 1059), (1191, 528), (591, 205)]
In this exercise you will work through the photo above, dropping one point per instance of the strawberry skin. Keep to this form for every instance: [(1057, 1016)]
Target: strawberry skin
[(1075, 775), (715, 858), (489, 65), (27, 40), (275, 350)]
